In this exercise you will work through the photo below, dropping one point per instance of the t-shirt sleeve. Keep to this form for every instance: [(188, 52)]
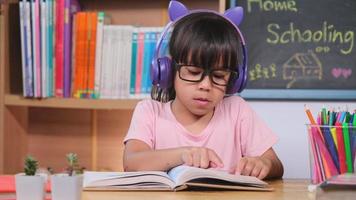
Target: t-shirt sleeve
[(141, 126), (255, 136)]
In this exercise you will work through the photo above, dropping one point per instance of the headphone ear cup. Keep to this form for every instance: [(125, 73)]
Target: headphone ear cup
[(165, 72), (243, 79), (240, 82), (155, 72), (235, 85)]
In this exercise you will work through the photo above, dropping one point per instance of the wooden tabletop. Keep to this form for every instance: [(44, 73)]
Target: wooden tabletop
[(284, 189)]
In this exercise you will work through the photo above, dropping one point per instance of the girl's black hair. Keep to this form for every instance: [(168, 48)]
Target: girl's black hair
[(202, 39)]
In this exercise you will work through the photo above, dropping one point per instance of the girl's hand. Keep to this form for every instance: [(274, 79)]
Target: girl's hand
[(201, 157), (254, 166)]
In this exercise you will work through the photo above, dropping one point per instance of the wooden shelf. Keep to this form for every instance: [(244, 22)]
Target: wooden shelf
[(110, 104)]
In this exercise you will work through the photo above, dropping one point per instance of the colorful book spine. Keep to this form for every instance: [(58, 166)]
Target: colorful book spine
[(139, 62), (36, 46), (23, 48), (127, 49), (133, 61), (98, 53), (81, 50), (92, 28), (106, 71), (116, 66), (28, 49), (70, 7), (154, 35), (50, 47), (59, 44), (44, 51), (37, 34), (74, 44), (146, 60)]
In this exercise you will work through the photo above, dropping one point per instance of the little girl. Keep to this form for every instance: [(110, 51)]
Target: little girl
[(192, 121)]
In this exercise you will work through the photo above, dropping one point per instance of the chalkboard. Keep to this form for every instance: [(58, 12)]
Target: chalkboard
[(300, 48)]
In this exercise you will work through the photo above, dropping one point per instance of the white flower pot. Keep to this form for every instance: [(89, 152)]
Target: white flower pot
[(30, 187), (65, 187)]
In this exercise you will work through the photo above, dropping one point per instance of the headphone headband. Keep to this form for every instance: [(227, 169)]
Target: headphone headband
[(161, 66)]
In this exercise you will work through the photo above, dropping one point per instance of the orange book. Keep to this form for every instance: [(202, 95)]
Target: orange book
[(74, 42), (81, 49), (92, 26), (75, 63), (85, 51)]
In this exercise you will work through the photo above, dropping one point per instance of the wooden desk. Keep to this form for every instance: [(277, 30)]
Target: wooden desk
[(284, 189)]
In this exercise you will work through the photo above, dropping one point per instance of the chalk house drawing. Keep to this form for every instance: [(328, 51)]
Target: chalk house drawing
[(302, 66)]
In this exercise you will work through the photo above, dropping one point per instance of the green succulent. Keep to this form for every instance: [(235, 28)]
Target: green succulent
[(73, 165), (31, 166)]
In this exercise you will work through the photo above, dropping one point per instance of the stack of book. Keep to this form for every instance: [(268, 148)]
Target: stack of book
[(67, 52)]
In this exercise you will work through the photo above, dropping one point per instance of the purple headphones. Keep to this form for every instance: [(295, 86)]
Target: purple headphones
[(161, 72)]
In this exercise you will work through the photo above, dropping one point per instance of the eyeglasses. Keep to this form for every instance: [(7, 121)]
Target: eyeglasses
[(196, 74)]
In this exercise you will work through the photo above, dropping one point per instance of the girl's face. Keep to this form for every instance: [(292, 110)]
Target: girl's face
[(200, 97)]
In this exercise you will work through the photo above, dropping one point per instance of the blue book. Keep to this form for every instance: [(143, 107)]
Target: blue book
[(25, 17), (50, 48), (152, 47), (133, 62), (146, 62)]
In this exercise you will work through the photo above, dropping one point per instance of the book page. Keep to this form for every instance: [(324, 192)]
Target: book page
[(127, 180), (183, 174)]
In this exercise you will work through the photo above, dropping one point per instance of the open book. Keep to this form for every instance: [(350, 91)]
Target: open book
[(178, 178)]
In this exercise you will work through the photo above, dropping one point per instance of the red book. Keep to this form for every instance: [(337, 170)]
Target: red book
[(59, 48)]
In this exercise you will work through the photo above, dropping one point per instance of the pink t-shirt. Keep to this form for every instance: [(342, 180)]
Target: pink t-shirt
[(234, 131)]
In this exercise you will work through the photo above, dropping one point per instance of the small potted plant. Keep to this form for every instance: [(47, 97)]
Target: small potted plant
[(30, 185), (68, 185)]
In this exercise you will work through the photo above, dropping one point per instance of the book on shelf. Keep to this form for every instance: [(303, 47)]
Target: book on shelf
[(36, 47), (341, 186), (178, 178), (62, 55), (70, 8)]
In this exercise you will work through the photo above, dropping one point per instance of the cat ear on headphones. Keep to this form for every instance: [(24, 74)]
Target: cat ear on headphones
[(176, 10), (235, 15)]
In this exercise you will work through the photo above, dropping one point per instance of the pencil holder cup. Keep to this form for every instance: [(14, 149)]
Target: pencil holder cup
[(331, 151)]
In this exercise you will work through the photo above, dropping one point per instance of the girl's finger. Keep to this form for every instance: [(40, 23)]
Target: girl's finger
[(196, 159), (213, 157), (263, 173), (241, 166)]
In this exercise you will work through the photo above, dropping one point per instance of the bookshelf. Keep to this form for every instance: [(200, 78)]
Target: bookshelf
[(71, 103), (50, 128)]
